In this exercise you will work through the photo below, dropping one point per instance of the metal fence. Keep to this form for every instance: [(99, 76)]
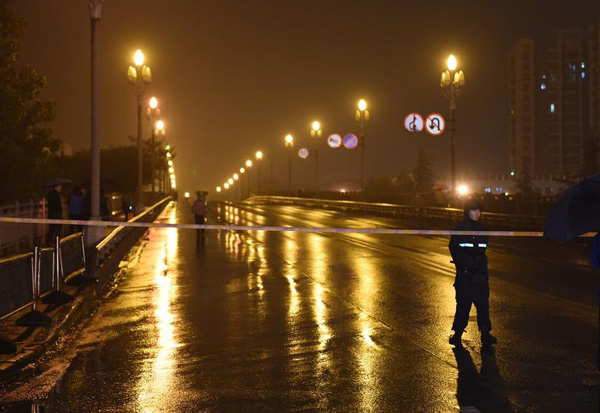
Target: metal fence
[(529, 222), (72, 256), (16, 275)]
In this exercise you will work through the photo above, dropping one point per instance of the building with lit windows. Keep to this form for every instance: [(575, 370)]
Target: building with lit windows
[(554, 103)]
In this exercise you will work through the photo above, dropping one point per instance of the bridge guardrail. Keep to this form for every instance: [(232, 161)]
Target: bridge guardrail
[(419, 212)]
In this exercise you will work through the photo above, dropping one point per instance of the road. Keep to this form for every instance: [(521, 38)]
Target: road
[(267, 321)]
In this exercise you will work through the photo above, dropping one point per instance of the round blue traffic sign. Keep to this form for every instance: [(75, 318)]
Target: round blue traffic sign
[(350, 141)]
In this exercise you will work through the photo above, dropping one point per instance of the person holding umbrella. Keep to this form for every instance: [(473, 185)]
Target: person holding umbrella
[(54, 203), (472, 279)]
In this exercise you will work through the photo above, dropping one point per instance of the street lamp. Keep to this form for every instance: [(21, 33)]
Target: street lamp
[(289, 143), (242, 171), (362, 117), (248, 166), (152, 113), (236, 178), (95, 16), (139, 76), (452, 82), (315, 133), (218, 189), (259, 156)]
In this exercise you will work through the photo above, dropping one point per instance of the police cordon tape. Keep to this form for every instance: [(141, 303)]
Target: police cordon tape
[(10, 220)]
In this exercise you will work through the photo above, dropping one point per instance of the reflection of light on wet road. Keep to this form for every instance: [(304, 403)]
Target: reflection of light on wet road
[(320, 317), (158, 381)]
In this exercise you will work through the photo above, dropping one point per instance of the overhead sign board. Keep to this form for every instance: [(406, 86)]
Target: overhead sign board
[(435, 124), (350, 141), (413, 122), (334, 141), (303, 153)]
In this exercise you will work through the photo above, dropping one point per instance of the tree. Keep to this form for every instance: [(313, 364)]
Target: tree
[(423, 173), (26, 143), (524, 186)]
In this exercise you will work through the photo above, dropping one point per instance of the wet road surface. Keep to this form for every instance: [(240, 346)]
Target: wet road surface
[(331, 322)]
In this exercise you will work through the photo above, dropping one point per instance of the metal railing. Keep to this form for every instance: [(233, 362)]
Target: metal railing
[(405, 211), (105, 247)]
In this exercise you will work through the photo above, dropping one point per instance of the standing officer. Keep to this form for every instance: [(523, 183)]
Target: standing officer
[(199, 211), (472, 281)]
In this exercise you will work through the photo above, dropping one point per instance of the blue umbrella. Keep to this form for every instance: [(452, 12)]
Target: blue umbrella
[(576, 212)]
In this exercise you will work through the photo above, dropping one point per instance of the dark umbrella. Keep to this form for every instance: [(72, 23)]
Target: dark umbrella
[(576, 212), (51, 183)]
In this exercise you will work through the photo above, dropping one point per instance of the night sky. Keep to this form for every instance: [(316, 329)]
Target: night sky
[(233, 77)]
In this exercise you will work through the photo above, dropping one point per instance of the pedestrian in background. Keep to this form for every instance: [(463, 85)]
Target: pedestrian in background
[(127, 205), (105, 206), (472, 278), (199, 211), (54, 205), (75, 203)]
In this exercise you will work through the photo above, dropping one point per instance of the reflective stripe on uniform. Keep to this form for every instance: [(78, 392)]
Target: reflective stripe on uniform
[(482, 245), (466, 244)]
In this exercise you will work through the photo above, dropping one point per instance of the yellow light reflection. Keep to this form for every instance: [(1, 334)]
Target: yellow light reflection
[(160, 379)]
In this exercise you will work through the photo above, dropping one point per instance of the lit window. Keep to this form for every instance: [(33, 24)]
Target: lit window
[(552, 108)]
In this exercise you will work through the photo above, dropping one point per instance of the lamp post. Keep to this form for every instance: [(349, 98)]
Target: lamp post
[(452, 82), (362, 117), (316, 133), (236, 177), (139, 77), (259, 156), (152, 113), (289, 143), (95, 16), (248, 166), (169, 163), (159, 131), (242, 171)]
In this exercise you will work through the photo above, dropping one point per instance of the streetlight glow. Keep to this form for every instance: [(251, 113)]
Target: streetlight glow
[(463, 189), (452, 63), (236, 176), (218, 189), (226, 185), (242, 170), (171, 170), (153, 103), (187, 195), (230, 181), (289, 140), (259, 155), (168, 154), (172, 176), (248, 163), (362, 105), (170, 163), (168, 147), (138, 57), (160, 125), (316, 125)]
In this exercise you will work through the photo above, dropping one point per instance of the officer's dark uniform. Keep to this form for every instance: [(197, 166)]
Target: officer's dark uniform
[(472, 282)]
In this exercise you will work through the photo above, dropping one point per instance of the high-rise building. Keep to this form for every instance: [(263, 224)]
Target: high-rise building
[(554, 103), (521, 86)]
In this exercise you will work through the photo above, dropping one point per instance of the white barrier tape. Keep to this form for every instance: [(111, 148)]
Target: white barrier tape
[(10, 220)]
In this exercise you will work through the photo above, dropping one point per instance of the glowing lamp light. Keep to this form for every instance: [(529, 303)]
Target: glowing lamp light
[(230, 181), (289, 139), (171, 170), (168, 147), (452, 63), (218, 189), (168, 154), (236, 176), (463, 190), (226, 185), (153, 103), (242, 170), (172, 176), (160, 125), (259, 155), (248, 163), (170, 163), (187, 195), (362, 105), (316, 125), (138, 57)]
